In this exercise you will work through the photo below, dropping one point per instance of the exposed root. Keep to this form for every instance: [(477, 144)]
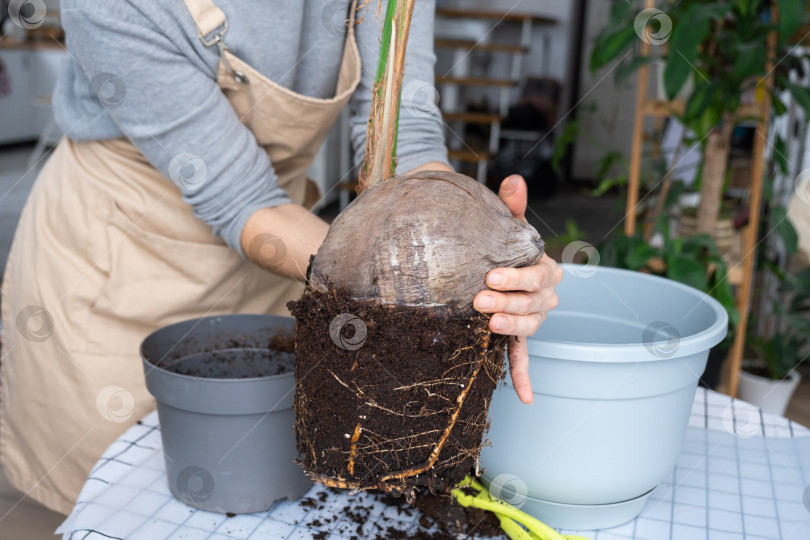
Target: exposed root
[(353, 448), (389, 419)]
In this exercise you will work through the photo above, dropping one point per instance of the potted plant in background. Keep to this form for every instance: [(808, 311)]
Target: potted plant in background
[(721, 46), (693, 261), (716, 61), (769, 379)]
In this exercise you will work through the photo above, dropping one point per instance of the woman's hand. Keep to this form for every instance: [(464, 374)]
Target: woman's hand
[(282, 239), (521, 297)]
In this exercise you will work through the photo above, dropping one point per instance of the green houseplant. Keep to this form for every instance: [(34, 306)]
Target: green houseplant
[(770, 378), (693, 261), (720, 57), (722, 46)]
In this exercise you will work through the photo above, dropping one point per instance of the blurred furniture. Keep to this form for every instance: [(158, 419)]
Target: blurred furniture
[(31, 69), (468, 31)]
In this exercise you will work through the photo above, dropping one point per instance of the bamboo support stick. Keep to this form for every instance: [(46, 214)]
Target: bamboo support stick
[(634, 178), (752, 230)]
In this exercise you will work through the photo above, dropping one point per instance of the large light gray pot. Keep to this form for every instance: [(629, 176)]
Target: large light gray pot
[(614, 371), (228, 442)]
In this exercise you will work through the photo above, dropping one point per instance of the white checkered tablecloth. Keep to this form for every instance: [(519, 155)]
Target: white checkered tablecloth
[(742, 474)]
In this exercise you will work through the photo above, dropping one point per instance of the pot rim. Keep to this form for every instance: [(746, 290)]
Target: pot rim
[(624, 353), (193, 323), (793, 376)]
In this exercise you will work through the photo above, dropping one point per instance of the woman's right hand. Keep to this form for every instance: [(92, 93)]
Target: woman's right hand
[(283, 238)]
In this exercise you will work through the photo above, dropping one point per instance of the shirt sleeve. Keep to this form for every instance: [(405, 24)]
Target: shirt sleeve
[(166, 100), (420, 138)]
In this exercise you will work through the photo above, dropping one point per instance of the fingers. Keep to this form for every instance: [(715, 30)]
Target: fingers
[(516, 303), (519, 299), (530, 294), (546, 273), (516, 325), (519, 369), (513, 193)]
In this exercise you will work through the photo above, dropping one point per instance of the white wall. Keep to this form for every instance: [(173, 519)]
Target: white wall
[(612, 123), (549, 49), (558, 34)]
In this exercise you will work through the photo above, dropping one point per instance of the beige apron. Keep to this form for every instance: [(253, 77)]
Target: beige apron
[(106, 252)]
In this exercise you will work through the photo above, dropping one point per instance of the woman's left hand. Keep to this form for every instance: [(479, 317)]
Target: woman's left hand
[(520, 297)]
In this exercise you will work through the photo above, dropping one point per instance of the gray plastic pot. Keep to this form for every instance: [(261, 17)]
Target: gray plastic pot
[(614, 371), (228, 442)]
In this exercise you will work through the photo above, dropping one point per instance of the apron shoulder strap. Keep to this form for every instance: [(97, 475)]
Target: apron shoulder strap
[(207, 16)]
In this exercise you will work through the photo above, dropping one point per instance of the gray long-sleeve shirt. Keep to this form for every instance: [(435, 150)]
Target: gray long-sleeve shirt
[(139, 70)]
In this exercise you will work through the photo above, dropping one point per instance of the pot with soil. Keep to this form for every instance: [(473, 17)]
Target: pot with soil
[(614, 371), (224, 390)]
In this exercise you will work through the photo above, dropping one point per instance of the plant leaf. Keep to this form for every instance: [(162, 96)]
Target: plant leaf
[(606, 184), (750, 60), (701, 127), (791, 16), (780, 153), (779, 108), (695, 244), (687, 271), (700, 99), (784, 229), (561, 144), (687, 34), (625, 69), (801, 95), (638, 257), (607, 48)]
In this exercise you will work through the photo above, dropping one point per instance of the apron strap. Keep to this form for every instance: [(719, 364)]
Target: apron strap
[(208, 18)]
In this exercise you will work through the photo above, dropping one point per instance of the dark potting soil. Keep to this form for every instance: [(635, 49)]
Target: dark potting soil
[(238, 359), (438, 517), (453, 520), (394, 398)]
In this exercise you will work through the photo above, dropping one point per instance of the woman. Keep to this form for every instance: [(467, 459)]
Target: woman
[(180, 191)]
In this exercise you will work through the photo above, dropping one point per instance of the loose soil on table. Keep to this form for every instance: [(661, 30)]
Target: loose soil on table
[(394, 398), (442, 518), (439, 518)]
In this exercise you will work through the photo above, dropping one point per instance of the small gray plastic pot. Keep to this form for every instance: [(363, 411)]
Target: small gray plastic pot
[(614, 371), (228, 441)]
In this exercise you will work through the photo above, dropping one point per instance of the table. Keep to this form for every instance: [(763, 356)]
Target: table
[(743, 473)]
